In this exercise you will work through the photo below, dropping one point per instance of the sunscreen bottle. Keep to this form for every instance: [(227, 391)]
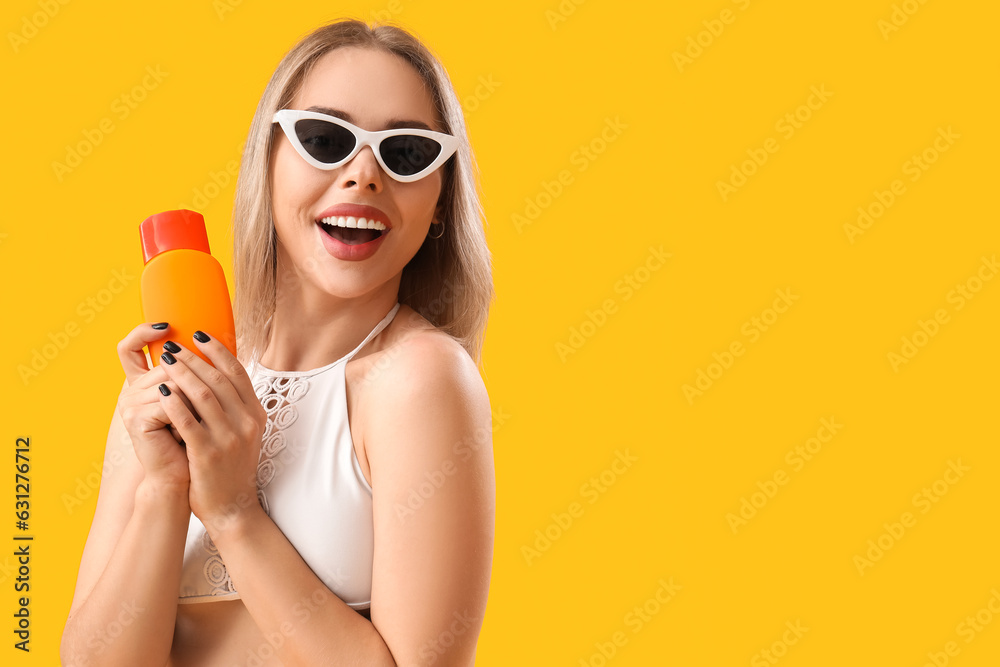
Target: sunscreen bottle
[(182, 284)]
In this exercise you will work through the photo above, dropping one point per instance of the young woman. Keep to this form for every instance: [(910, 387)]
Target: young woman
[(328, 498)]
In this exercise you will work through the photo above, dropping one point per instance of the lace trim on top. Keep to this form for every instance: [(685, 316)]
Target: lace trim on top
[(278, 395)]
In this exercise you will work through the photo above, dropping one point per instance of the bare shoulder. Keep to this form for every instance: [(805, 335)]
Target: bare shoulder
[(417, 356), (425, 379), (433, 494)]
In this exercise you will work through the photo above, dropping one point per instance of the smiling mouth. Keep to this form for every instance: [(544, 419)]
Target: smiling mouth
[(350, 230)]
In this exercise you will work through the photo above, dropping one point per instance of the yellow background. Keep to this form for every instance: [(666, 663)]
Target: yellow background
[(555, 84)]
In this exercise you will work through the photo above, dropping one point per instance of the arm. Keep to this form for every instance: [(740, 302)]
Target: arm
[(432, 560), (136, 594), (124, 606), (432, 568)]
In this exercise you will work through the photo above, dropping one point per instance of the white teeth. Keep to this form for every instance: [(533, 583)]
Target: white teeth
[(352, 222)]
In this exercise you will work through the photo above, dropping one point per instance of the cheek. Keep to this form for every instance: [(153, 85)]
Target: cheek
[(294, 185), (424, 199)]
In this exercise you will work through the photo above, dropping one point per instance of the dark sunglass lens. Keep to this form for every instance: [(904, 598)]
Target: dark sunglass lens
[(324, 141), (408, 155)]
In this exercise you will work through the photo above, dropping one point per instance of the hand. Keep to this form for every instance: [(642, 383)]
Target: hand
[(224, 447), (162, 458)]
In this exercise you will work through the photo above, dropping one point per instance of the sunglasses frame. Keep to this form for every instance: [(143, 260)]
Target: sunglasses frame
[(287, 118)]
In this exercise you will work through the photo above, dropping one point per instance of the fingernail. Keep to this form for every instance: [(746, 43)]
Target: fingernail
[(164, 389), (160, 326), (171, 346), (201, 337), (168, 358)]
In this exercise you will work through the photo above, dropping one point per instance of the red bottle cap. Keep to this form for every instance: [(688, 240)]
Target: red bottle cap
[(172, 230)]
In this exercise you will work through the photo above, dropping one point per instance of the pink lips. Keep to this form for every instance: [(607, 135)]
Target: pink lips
[(353, 252)]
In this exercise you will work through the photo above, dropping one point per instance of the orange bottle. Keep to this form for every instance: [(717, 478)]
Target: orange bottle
[(182, 284)]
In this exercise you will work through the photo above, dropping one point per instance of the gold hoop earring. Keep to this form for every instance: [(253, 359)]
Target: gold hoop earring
[(441, 225)]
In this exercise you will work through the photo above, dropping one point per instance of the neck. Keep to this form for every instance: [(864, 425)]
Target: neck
[(311, 329)]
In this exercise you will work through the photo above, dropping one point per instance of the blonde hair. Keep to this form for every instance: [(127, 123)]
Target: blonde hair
[(449, 280)]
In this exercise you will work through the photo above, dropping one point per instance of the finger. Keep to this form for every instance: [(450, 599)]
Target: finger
[(228, 365), (182, 420), (205, 390), (130, 353), (143, 412), (144, 389), (145, 419), (152, 395), (150, 378), (177, 436)]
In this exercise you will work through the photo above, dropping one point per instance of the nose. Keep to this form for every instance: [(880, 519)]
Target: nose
[(362, 172)]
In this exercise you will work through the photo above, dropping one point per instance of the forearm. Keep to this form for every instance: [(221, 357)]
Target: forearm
[(284, 596), (128, 619)]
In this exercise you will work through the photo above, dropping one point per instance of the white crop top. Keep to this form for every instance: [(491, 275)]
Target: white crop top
[(309, 482)]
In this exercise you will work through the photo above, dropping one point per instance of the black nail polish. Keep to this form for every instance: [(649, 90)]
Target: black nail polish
[(201, 337), (168, 358), (160, 326), (164, 389), (171, 346)]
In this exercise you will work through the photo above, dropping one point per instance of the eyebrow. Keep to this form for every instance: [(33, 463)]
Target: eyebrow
[(392, 124)]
